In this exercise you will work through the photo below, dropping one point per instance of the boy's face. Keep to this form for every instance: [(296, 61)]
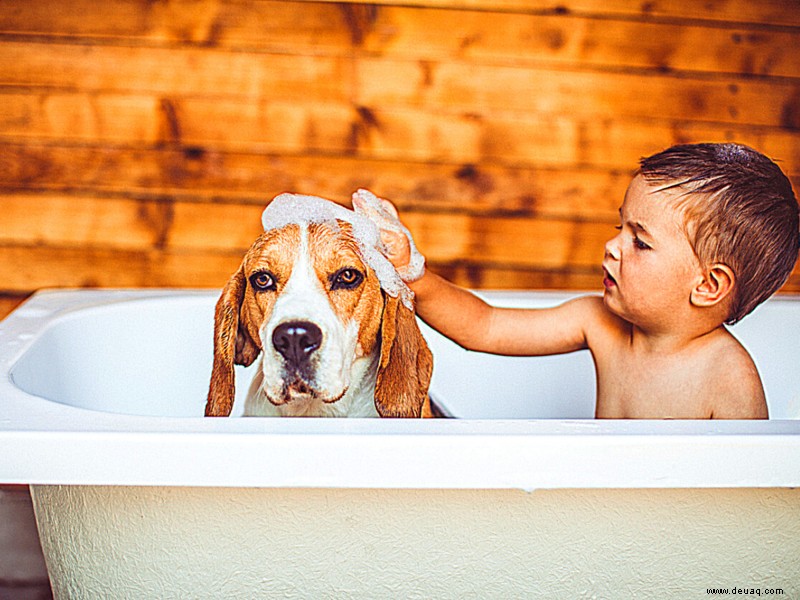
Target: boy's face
[(649, 266)]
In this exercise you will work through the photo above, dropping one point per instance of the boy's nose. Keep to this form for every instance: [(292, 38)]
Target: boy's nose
[(612, 248)]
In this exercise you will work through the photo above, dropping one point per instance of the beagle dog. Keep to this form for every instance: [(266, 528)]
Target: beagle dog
[(334, 327)]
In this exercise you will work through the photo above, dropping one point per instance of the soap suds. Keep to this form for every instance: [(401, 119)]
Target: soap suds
[(368, 204), (297, 209)]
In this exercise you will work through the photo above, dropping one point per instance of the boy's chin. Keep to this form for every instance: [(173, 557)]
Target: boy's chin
[(611, 303)]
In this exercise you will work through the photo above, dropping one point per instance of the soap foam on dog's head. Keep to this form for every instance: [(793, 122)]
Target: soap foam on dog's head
[(297, 209)]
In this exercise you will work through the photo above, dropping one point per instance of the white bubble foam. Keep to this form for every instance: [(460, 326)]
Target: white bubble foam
[(368, 204), (297, 209)]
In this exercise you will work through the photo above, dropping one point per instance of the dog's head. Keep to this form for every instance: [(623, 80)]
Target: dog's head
[(312, 300)]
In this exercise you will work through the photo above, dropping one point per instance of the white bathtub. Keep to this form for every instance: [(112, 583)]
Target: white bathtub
[(137, 495)]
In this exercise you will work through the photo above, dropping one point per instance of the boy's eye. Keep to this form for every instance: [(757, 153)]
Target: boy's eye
[(346, 279), (263, 281), (639, 244)]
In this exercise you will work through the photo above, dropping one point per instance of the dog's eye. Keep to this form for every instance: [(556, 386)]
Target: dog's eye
[(262, 281), (346, 279)]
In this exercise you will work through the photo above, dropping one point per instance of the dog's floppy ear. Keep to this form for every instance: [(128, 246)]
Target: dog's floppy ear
[(232, 345), (406, 362)]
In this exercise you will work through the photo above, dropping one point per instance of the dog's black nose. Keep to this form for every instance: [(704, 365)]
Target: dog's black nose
[(296, 341)]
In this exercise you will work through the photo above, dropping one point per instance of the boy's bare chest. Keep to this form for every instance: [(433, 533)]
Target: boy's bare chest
[(632, 386)]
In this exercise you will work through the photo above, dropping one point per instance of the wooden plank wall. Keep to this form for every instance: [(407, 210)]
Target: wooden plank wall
[(140, 140)]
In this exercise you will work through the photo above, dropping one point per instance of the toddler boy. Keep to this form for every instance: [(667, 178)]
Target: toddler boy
[(707, 232)]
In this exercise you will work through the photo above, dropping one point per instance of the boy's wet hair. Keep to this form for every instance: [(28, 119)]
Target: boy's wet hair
[(740, 210)]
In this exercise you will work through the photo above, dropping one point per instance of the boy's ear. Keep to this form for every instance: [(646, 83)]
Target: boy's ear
[(716, 284)]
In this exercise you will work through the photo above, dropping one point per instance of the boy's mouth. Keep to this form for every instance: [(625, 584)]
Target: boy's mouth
[(608, 280)]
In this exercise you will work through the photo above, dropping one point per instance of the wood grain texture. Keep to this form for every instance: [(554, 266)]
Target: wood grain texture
[(771, 12), (426, 31), (139, 141), (9, 302), (421, 134)]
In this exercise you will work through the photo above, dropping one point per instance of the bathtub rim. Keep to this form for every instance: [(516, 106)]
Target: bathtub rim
[(44, 442)]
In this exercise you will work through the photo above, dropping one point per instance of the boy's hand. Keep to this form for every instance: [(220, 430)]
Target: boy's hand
[(398, 244)]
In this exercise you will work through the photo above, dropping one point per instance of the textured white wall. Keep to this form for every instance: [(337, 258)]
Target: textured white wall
[(124, 542)]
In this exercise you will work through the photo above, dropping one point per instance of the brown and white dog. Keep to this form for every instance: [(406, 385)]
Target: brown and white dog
[(333, 342)]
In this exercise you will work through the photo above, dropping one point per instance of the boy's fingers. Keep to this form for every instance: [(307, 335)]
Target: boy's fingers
[(368, 202), (393, 239), (397, 247), (397, 241), (389, 208), (361, 206), (384, 214), (370, 211)]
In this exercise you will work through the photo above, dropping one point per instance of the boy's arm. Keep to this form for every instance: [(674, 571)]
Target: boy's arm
[(472, 323), (463, 317)]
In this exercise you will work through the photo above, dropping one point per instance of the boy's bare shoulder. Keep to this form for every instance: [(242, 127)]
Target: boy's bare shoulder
[(592, 307), (733, 374), (601, 323)]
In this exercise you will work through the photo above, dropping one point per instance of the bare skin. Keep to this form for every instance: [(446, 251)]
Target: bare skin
[(656, 335)]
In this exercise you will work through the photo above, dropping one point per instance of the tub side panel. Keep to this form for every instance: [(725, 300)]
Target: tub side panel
[(246, 543)]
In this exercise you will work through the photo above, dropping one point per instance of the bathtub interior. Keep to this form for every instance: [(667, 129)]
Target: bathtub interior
[(138, 357), (153, 356)]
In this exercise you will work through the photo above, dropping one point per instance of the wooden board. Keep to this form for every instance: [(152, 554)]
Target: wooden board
[(9, 302), (471, 87), (772, 12), (420, 134), (421, 32)]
